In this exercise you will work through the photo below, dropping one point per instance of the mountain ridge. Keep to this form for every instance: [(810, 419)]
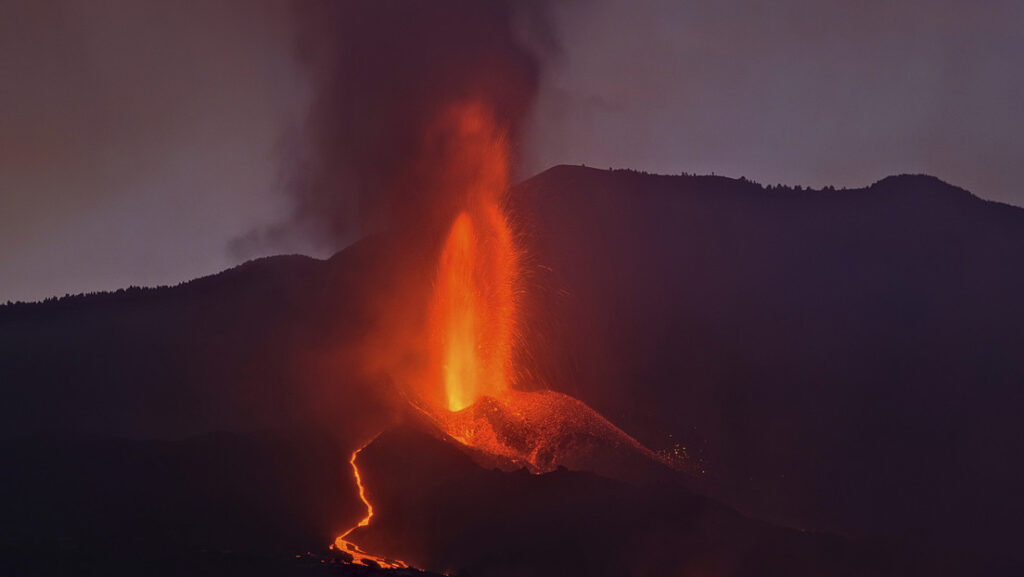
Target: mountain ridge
[(895, 181), (840, 361)]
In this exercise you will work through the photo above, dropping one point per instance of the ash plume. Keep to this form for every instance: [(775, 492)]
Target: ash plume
[(381, 72)]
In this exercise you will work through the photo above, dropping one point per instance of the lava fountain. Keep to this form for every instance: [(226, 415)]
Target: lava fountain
[(473, 308)]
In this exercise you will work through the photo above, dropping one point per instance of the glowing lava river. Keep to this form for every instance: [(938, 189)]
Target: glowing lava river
[(357, 553)]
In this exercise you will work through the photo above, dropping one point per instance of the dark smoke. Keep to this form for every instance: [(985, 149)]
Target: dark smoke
[(381, 73)]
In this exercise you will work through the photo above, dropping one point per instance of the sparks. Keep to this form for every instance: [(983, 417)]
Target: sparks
[(473, 308)]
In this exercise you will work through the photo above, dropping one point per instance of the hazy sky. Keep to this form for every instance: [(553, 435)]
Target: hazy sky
[(139, 139)]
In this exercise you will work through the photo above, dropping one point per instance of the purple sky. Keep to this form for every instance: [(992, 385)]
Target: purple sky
[(139, 139)]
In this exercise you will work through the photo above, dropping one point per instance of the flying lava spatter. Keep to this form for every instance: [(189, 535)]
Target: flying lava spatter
[(473, 305), (474, 308)]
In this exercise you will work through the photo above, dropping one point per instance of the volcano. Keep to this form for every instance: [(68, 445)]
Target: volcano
[(544, 430), (466, 381), (533, 432), (760, 333)]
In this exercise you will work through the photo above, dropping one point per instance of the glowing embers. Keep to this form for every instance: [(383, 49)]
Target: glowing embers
[(542, 430), (357, 553), (473, 307)]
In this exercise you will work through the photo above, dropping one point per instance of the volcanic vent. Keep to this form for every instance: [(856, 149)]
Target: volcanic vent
[(465, 389)]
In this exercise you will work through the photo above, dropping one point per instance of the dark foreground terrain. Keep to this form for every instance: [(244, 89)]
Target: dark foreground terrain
[(268, 504)]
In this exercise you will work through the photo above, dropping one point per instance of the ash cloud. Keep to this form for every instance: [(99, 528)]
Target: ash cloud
[(381, 72)]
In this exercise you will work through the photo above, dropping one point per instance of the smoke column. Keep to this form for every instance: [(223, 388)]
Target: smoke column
[(382, 72)]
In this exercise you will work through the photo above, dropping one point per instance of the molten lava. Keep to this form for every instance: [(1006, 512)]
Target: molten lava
[(358, 554), (362, 494), (473, 313)]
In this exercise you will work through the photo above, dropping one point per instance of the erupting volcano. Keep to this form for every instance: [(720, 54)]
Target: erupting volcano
[(344, 293), (467, 393)]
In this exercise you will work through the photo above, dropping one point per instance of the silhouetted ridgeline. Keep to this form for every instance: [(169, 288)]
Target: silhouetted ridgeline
[(51, 305), (848, 360), (233, 351)]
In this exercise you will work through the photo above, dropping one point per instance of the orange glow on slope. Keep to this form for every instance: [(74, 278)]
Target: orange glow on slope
[(359, 555), (473, 307)]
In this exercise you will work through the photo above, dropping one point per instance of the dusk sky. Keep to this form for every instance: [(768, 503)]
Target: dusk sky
[(139, 141)]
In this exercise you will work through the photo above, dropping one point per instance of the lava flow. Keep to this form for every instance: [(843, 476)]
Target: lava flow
[(357, 553)]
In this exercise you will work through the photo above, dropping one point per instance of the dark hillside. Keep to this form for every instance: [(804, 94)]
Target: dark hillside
[(839, 360), (847, 360)]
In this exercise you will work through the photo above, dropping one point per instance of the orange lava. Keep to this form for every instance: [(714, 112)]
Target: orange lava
[(473, 307), (362, 494), (357, 553)]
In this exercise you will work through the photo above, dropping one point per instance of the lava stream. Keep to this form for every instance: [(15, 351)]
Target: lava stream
[(357, 553)]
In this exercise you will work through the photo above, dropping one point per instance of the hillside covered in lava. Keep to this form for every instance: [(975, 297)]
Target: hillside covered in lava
[(722, 379)]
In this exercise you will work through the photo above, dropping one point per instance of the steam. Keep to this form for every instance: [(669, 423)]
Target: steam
[(382, 72)]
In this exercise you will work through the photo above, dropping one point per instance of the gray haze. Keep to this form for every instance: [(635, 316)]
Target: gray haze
[(792, 91), (139, 140)]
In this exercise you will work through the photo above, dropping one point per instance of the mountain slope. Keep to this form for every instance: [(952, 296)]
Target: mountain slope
[(839, 360), (847, 360)]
